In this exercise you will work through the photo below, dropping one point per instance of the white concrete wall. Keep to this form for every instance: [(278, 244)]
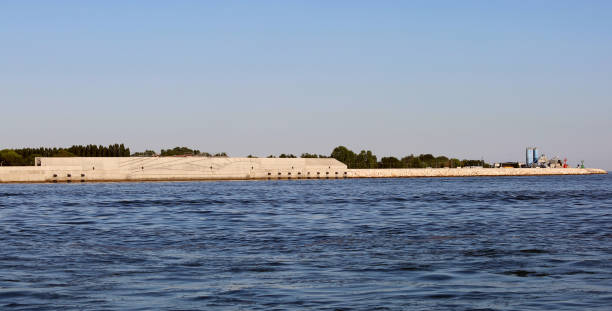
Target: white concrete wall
[(170, 168)]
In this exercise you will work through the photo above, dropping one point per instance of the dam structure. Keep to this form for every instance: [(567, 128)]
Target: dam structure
[(191, 168)]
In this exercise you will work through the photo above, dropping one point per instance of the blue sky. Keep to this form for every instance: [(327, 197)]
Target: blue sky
[(469, 79)]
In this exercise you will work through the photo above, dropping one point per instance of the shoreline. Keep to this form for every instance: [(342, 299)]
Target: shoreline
[(351, 174), (268, 179)]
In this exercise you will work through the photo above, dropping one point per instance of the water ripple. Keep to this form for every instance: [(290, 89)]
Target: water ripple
[(512, 243)]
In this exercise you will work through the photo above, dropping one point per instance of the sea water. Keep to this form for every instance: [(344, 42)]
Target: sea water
[(504, 243)]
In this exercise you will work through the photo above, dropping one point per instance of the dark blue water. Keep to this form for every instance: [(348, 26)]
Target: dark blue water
[(524, 243)]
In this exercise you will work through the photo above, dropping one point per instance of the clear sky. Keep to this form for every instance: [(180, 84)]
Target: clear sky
[(468, 79)]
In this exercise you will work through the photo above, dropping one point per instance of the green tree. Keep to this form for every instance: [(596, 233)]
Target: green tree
[(427, 159), (29, 160), (455, 163), (10, 158), (412, 162), (179, 151), (146, 153), (63, 153), (390, 162), (344, 155), (441, 161), (365, 159)]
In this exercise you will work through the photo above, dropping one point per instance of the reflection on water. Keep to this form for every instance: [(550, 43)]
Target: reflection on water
[(521, 243)]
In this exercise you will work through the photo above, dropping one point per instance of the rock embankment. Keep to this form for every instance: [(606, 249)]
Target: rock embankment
[(468, 172)]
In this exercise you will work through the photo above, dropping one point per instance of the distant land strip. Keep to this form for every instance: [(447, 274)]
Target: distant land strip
[(363, 159), (192, 168)]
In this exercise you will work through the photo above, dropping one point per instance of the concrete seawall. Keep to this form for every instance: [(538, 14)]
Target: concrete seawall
[(78, 169)]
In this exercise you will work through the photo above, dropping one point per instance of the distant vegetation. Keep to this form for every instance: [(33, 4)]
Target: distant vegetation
[(179, 151), (363, 159), (312, 155), (366, 159), (146, 153), (184, 151), (304, 155), (25, 156)]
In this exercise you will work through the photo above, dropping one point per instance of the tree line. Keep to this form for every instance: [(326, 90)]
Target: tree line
[(289, 155), (178, 151), (365, 159), (184, 151), (25, 156)]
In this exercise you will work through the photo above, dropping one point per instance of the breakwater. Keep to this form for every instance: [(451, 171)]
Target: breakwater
[(99, 169), (469, 172)]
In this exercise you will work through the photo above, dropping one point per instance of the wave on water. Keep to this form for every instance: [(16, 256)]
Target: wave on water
[(520, 243)]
